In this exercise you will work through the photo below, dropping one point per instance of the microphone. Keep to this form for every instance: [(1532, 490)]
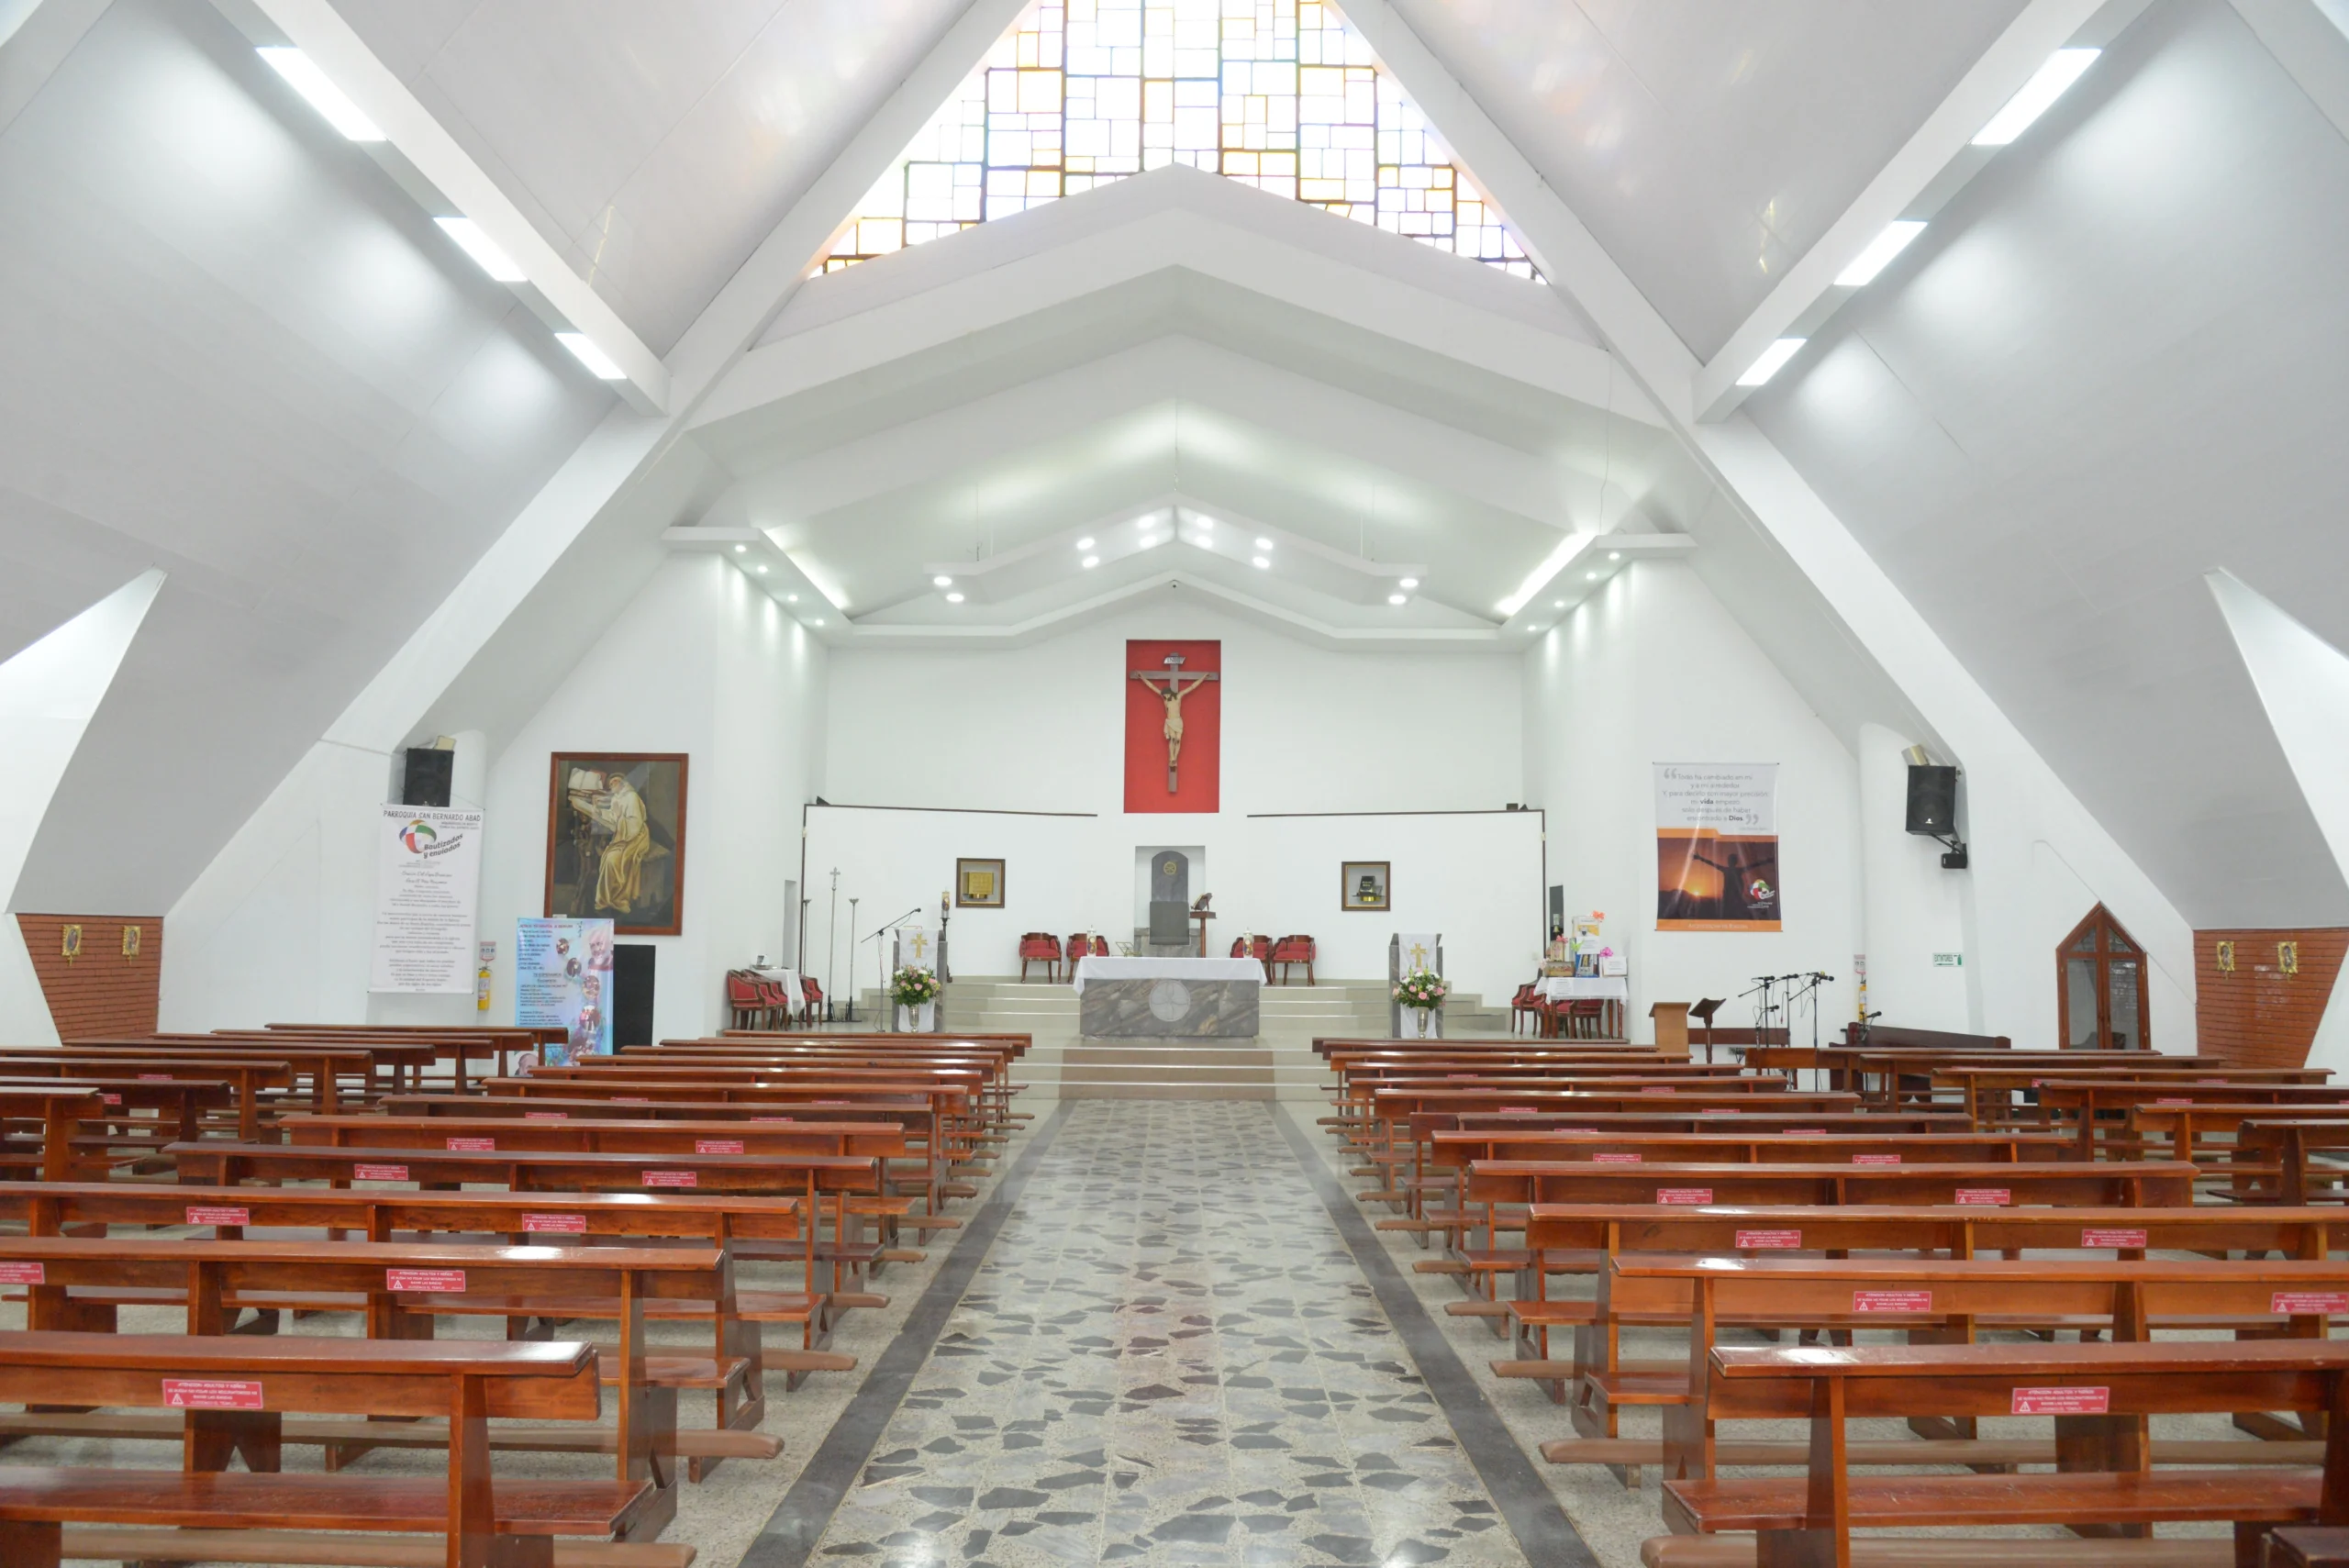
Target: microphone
[(1826, 978)]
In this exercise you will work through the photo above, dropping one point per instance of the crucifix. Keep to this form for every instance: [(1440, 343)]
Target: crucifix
[(1172, 693)]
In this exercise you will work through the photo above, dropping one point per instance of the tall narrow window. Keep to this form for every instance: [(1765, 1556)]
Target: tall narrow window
[(1281, 95), (2100, 987)]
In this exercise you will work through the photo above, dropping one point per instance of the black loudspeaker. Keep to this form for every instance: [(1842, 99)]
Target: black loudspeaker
[(1932, 801), (430, 773), (632, 993)]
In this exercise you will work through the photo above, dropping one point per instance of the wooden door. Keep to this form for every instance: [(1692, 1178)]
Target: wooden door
[(2100, 994)]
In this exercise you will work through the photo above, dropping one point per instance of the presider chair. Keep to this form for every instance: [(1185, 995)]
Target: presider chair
[(1039, 947), (745, 998), (1293, 950), (1075, 949)]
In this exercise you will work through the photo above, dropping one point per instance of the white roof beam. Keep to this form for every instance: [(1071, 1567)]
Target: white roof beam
[(35, 38), (443, 178), (1930, 168), (2310, 39)]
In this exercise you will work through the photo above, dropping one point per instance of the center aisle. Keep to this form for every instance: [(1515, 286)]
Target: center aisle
[(1168, 1356)]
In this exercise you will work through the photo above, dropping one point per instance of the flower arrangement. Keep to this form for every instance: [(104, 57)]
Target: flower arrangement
[(1422, 988), (911, 987)]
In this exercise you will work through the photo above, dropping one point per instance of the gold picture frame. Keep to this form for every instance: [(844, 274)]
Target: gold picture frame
[(131, 942), (69, 942), (2225, 954), (1366, 887), (978, 883)]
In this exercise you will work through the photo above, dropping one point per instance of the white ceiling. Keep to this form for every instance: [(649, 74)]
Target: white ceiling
[(1707, 145), (653, 145), (2117, 363), (229, 347)]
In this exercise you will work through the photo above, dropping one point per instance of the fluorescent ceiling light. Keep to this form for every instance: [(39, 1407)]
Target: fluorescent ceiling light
[(1397, 598), (1772, 357), (1259, 563), (1880, 254), (1409, 583), (2046, 85), (941, 581), (303, 76), (1084, 544), (1263, 544), (481, 247), (1092, 561), (588, 354), (953, 598)]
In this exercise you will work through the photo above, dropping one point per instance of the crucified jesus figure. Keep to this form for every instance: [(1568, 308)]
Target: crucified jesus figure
[(1172, 695)]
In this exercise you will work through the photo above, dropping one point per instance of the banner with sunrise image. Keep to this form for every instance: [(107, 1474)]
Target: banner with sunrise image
[(1717, 847)]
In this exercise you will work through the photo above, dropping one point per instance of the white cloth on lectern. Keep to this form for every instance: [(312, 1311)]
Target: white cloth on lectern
[(917, 946), (1417, 951)]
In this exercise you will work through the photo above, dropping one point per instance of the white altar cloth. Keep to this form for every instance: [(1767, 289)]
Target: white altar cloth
[(789, 981), (1587, 988), (1095, 968)]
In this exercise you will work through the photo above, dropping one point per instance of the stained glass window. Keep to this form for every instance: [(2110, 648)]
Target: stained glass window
[(1281, 95)]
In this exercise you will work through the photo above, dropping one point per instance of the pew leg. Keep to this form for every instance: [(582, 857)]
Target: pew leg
[(210, 1439), (31, 1545), (2102, 1443), (2251, 1539), (1796, 1549)]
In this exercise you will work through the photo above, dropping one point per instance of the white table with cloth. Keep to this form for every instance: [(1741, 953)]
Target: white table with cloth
[(1182, 998), (788, 979), (1614, 991)]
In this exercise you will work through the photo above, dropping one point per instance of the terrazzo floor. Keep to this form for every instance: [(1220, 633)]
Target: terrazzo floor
[(1168, 1356)]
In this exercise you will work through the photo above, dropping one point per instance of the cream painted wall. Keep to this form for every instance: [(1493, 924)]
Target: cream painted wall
[(699, 662), (1652, 668)]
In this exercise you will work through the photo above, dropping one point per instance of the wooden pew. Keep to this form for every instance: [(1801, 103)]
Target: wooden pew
[(248, 1080), (399, 1286), (377, 1064), (1809, 1520), (2090, 1105), (58, 1111), (235, 1394), (459, 1044)]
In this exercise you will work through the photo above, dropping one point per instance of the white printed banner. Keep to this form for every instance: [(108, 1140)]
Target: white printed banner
[(1717, 847), (428, 887)]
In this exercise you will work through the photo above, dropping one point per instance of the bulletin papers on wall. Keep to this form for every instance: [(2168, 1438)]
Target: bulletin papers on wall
[(562, 979), (428, 884), (1717, 847)]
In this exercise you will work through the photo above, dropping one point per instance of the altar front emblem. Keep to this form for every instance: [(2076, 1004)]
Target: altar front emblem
[(1173, 726)]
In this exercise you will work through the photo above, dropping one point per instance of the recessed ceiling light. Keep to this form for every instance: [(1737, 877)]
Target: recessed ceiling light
[(481, 247), (760, 569), (1263, 544), (1772, 357), (741, 548), (941, 581), (593, 357), (1204, 522), (818, 621), (791, 598), (1557, 604), (1258, 562), (953, 598), (1591, 576), (1614, 555), (303, 76), (2046, 85), (1084, 544), (1409, 583), (1880, 254), (1092, 561), (1397, 598)]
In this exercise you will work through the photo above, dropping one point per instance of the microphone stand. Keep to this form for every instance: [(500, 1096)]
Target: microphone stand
[(888, 1015)]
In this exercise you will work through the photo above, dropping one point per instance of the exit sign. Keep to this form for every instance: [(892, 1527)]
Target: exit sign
[(1949, 961)]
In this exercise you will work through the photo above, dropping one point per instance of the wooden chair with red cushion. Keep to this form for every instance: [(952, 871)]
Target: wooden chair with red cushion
[(812, 996), (747, 1001), (1039, 947), (1293, 950), (778, 1000), (1585, 1020), (1074, 950), (1100, 947), (1526, 1004)]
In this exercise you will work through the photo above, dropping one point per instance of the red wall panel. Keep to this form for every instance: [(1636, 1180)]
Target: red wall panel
[(1199, 770)]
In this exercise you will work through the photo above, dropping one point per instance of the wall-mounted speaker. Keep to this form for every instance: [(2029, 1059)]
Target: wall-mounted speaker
[(430, 772), (1932, 801)]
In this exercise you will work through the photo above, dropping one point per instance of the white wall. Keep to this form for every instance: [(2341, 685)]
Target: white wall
[(1652, 668), (1914, 908), (701, 662), (1304, 731)]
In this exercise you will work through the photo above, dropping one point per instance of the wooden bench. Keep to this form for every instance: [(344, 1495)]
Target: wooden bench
[(234, 1395), (2098, 1395)]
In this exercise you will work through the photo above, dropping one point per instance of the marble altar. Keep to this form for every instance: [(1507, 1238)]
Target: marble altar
[(1168, 998)]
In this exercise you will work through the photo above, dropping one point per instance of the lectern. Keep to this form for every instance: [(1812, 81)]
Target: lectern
[(1703, 1013), (1671, 1028)]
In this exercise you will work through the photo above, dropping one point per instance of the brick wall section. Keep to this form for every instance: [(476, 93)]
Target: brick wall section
[(2258, 1015), (100, 993)]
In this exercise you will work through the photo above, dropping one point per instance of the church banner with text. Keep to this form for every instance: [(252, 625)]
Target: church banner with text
[(1717, 847), (1173, 726)]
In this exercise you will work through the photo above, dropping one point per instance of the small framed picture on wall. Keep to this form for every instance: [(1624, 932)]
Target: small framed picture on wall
[(1364, 886), (978, 885)]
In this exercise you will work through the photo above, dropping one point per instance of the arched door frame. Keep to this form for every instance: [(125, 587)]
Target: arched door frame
[(2100, 951)]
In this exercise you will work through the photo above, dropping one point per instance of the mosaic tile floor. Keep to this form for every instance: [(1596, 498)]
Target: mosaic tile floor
[(1168, 1357)]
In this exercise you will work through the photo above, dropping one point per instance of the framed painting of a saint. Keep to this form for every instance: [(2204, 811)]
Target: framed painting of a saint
[(615, 839)]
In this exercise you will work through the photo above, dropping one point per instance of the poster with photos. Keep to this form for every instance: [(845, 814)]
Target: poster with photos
[(562, 979)]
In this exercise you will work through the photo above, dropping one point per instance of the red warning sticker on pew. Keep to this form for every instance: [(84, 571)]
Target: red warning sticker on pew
[(219, 1216), (1806, 1132), (1993, 1197), (440, 1282), (1892, 1301), (546, 1116), (473, 1145), (2175, 1100), (1876, 1159), (378, 1173), (673, 1178), (1760, 1241), (1719, 1111), (154, 1077), (22, 1273), (2112, 1238), (210, 1393), (774, 1118), (1684, 1194), (1615, 1159), (718, 1146), (110, 1100), (1515, 1110), (2303, 1302), (1658, 1089), (631, 1100), (555, 1224), (2060, 1402)]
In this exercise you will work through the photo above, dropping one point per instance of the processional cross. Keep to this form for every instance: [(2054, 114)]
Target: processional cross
[(1175, 689)]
